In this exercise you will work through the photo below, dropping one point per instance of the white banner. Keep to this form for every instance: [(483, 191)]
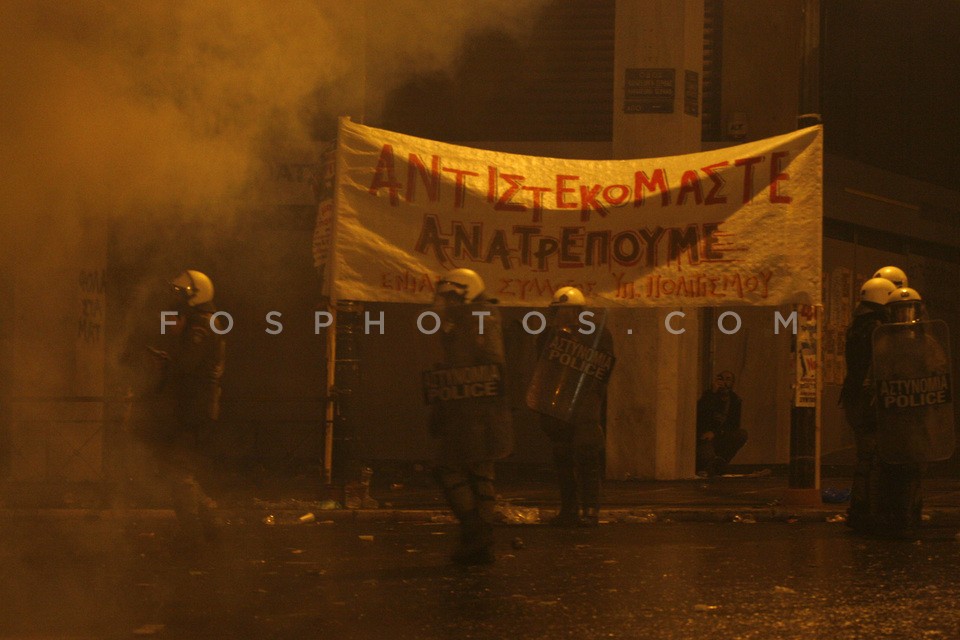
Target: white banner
[(735, 226)]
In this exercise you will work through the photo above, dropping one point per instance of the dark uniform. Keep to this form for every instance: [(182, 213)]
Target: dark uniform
[(578, 447), (859, 407), (472, 432), (718, 412), (190, 390)]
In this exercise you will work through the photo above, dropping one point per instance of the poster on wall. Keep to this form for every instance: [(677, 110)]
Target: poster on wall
[(838, 311), (323, 230), (806, 357)]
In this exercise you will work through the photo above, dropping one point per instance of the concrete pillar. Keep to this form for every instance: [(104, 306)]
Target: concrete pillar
[(655, 39), (54, 428), (651, 413)]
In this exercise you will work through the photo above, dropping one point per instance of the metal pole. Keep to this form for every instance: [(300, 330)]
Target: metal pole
[(804, 478), (330, 416), (804, 475)]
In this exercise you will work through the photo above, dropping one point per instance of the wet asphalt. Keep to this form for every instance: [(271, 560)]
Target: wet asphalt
[(121, 577)]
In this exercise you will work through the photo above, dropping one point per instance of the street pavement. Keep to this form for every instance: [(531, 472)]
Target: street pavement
[(522, 500), (731, 557), (124, 576), (725, 499)]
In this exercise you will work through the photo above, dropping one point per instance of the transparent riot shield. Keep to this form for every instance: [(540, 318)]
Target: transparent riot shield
[(914, 392), (569, 369)]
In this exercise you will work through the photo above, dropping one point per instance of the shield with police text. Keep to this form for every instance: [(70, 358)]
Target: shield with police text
[(914, 392), (462, 383), (569, 368)]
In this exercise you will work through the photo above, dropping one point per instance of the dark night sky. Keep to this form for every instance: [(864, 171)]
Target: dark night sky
[(892, 85)]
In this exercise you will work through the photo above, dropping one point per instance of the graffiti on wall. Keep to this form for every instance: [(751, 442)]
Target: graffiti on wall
[(90, 323)]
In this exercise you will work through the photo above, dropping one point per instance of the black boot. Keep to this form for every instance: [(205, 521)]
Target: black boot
[(863, 514), (476, 533), (569, 514), (478, 526), (588, 477), (476, 541), (591, 517), (900, 515)]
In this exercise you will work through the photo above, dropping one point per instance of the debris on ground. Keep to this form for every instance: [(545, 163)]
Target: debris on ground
[(831, 495), (148, 629), (647, 518), (511, 514), (443, 519)]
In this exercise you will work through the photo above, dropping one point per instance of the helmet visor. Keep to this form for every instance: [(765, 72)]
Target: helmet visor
[(905, 312), (448, 289), (182, 294)]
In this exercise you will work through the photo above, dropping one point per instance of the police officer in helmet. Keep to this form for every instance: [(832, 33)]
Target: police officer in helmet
[(578, 442), (908, 353), (894, 275), (190, 383), (472, 432), (858, 400)]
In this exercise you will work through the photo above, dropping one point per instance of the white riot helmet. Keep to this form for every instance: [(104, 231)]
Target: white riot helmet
[(193, 287), (463, 283), (568, 297), (905, 305), (894, 275), (876, 290)]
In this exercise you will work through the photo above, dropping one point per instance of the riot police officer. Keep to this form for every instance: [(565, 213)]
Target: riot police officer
[(578, 438), (858, 400), (915, 418), (894, 275), (190, 386), (474, 429)]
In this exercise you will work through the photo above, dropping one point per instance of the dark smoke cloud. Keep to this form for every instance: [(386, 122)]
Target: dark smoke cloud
[(134, 106)]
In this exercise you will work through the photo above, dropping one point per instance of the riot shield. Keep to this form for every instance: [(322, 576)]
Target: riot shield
[(914, 392), (462, 383), (569, 368)]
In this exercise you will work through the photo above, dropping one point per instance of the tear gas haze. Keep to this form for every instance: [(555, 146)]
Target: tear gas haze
[(135, 137), (127, 108)]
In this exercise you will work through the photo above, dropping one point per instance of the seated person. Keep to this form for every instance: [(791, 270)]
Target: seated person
[(719, 435)]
